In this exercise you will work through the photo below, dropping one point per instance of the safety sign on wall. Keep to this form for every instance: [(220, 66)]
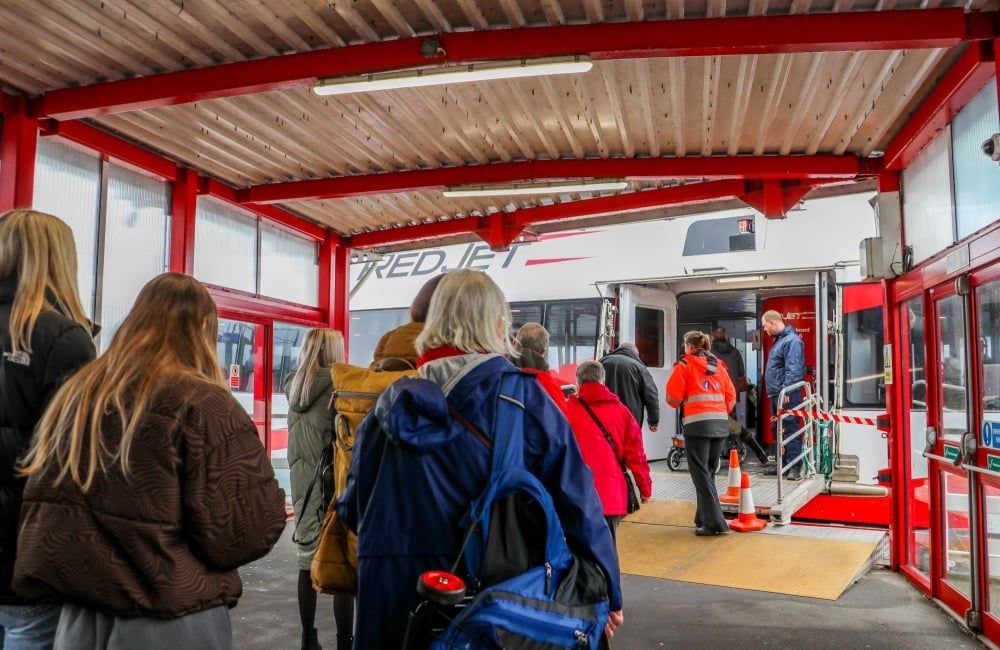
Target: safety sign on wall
[(234, 375), (991, 435), (887, 363)]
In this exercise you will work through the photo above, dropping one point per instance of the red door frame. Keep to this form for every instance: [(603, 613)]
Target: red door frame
[(931, 281)]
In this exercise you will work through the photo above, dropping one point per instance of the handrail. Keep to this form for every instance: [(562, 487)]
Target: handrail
[(806, 433)]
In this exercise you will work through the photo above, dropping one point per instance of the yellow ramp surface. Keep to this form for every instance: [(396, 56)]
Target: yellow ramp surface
[(659, 542)]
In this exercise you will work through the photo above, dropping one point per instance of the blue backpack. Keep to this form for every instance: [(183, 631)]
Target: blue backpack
[(530, 592)]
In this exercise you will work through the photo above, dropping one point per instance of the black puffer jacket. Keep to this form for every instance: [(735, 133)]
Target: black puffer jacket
[(629, 379), (60, 347)]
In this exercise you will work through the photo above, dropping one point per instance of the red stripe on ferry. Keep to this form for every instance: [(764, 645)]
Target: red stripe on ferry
[(553, 260), (560, 235)]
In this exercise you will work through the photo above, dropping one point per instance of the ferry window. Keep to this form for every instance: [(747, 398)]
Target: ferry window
[(864, 378), (572, 327), (367, 327), (709, 236), (525, 312), (649, 327)]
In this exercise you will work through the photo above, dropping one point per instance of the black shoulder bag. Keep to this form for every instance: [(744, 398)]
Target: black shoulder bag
[(630, 488)]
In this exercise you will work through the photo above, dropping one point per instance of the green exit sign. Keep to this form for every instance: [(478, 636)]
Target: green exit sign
[(950, 452), (993, 463)]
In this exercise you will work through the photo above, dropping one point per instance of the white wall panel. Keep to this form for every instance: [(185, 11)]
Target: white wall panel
[(928, 213)]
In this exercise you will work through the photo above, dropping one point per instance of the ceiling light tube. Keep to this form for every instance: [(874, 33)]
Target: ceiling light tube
[(741, 278), (534, 188), (453, 74)]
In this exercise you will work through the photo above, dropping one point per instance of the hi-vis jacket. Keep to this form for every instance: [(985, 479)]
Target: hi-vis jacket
[(700, 382)]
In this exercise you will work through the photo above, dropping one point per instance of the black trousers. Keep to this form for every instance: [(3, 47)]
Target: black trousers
[(702, 455)]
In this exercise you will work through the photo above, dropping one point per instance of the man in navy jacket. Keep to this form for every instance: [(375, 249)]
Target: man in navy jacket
[(785, 367)]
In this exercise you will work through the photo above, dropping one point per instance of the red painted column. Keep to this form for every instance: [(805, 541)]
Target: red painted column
[(886, 182), (18, 145), (184, 206), (334, 283)]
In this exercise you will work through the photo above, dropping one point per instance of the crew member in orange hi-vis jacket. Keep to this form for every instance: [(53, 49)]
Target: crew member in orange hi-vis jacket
[(700, 383)]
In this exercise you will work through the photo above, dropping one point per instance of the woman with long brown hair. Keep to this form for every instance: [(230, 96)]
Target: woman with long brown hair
[(45, 337), (148, 487)]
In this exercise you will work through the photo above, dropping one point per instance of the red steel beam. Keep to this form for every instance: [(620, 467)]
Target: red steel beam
[(18, 149), (882, 30), (618, 204), (711, 167), (956, 89), (112, 146)]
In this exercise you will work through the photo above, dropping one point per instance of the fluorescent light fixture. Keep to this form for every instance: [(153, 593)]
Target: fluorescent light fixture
[(741, 278), (453, 74), (528, 189)]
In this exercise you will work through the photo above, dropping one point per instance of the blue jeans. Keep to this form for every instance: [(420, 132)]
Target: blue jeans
[(28, 627)]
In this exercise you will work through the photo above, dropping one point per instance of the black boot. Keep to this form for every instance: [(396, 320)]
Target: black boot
[(751, 442), (310, 640), (345, 642)]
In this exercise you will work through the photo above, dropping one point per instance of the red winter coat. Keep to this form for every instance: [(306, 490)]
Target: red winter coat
[(597, 453)]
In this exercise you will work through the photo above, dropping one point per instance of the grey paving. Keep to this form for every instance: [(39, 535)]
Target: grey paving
[(880, 611)]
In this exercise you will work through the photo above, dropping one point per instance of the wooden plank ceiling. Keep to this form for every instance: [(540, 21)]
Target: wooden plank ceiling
[(633, 106)]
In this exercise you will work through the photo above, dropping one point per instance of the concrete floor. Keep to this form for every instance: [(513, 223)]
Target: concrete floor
[(880, 612)]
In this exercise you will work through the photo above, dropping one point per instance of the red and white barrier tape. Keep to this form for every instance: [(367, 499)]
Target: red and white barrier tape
[(836, 417)]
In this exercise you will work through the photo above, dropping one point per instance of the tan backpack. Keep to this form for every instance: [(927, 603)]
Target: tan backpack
[(355, 390)]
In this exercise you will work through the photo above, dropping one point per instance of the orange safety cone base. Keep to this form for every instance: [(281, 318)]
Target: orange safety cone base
[(747, 521), (732, 493), (751, 526)]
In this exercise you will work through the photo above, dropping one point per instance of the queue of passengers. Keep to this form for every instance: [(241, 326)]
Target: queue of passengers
[(133, 485)]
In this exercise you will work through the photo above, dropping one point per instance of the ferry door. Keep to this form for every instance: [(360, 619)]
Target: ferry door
[(964, 404), (648, 317)]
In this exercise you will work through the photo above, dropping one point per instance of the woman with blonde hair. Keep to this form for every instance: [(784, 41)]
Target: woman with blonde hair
[(148, 486), (310, 432), (413, 476), (45, 337), (701, 383)]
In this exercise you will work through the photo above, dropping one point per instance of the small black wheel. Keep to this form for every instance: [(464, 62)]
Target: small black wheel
[(674, 459)]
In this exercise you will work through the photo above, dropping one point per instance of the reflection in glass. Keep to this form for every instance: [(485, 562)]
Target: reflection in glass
[(988, 299), (957, 544), (917, 512), (287, 343), (235, 348), (992, 500), (952, 374)]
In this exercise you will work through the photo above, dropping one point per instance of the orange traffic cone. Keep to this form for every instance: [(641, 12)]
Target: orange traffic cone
[(747, 522), (732, 494)]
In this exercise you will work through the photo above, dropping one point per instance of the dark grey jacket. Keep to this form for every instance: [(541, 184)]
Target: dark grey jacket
[(629, 379), (734, 361), (59, 347)]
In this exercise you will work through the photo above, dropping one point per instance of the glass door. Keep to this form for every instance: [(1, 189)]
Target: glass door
[(958, 542), (986, 366), (965, 401), (916, 511)]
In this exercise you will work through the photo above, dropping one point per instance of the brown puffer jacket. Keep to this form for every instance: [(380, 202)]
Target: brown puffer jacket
[(400, 343), (200, 500)]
